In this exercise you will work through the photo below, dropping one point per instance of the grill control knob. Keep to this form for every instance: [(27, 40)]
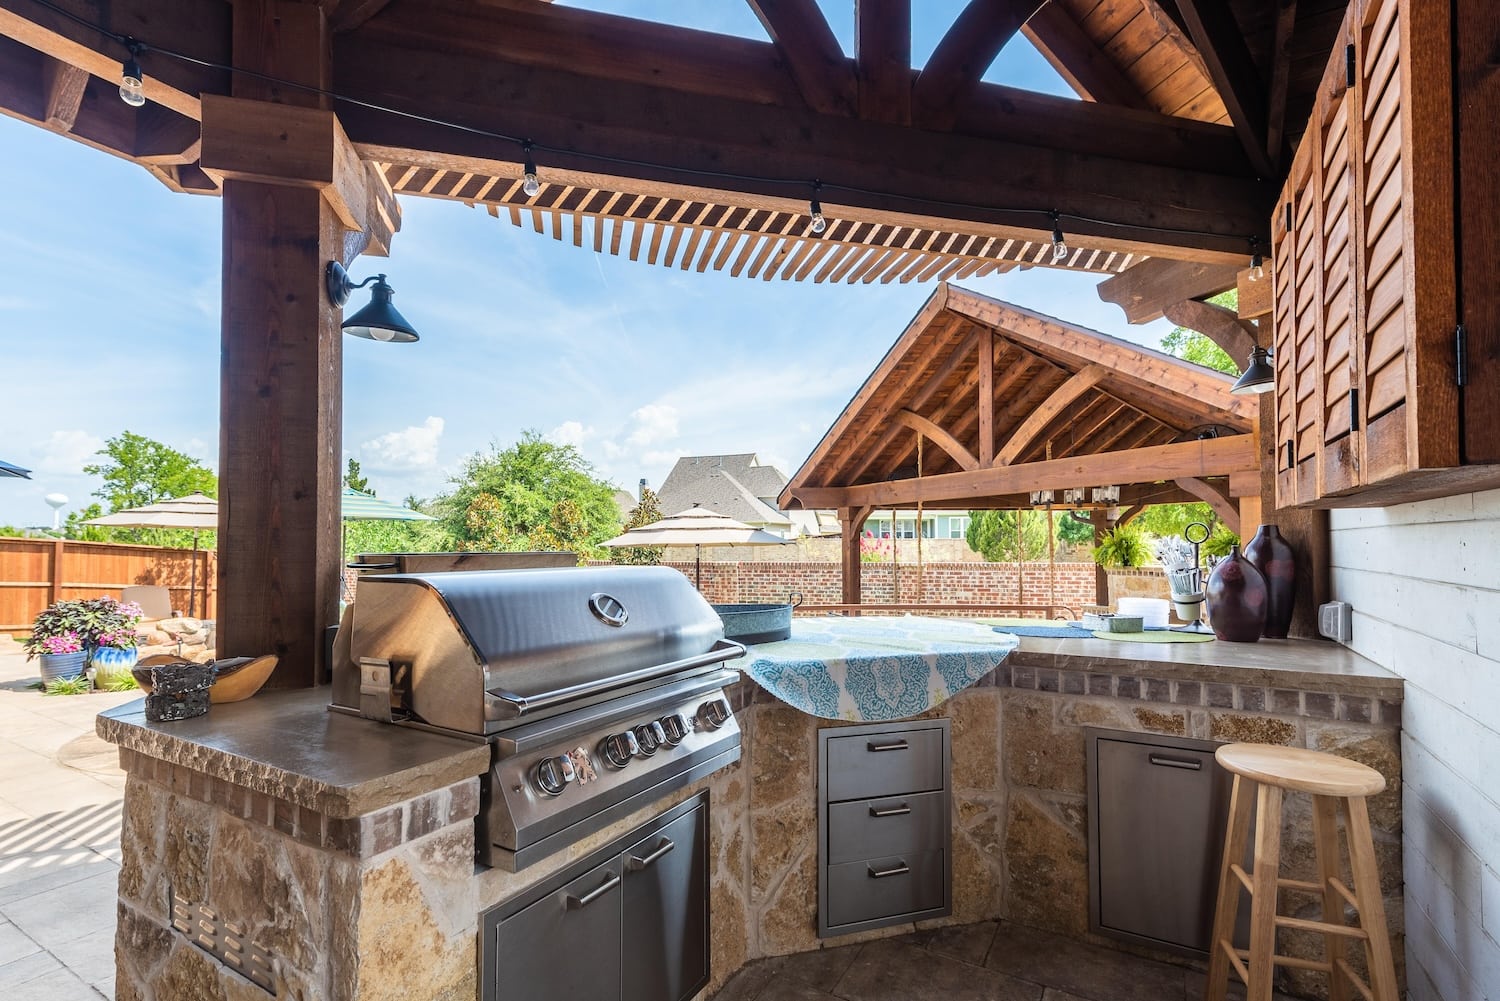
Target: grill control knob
[(650, 737), (619, 748), (552, 775), (676, 727), (714, 713)]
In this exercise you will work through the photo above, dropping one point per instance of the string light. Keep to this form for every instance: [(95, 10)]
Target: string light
[(131, 91), (815, 209), (132, 87), (531, 185), (1257, 263)]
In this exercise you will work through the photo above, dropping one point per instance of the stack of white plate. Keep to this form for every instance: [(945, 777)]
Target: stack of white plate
[(1155, 611)]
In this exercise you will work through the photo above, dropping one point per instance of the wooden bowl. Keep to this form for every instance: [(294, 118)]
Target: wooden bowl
[(238, 678)]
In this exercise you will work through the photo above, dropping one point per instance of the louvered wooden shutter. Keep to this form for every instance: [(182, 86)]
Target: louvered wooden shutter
[(1295, 317), (1336, 278)]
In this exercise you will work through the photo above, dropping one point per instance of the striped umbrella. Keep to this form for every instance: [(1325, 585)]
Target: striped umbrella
[(359, 506), (6, 469)]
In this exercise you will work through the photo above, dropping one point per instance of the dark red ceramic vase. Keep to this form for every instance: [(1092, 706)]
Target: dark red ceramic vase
[(1273, 556), (1236, 596)]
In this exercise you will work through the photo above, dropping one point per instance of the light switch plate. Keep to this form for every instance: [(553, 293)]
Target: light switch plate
[(1336, 621)]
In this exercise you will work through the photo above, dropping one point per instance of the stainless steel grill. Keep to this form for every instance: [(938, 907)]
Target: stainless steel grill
[(599, 689)]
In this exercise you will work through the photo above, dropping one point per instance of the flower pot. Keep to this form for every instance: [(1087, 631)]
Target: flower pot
[(1273, 556), (1236, 596), (62, 666), (113, 659)]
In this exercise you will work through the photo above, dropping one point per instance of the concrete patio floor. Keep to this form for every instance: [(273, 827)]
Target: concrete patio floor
[(60, 792)]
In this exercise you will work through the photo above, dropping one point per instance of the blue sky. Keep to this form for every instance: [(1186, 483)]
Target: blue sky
[(109, 321)]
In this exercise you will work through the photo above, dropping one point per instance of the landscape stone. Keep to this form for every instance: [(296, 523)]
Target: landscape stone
[(1047, 869), (1037, 753), (1237, 728)]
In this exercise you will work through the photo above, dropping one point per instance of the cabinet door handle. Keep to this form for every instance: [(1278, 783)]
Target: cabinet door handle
[(895, 870), (1193, 764), (573, 903), (895, 745), (636, 864), (891, 811)]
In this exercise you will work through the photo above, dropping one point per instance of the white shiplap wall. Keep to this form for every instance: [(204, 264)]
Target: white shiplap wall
[(1424, 580)]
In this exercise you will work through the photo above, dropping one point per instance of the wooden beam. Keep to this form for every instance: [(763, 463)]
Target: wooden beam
[(1256, 297), (822, 72), (1222, 505), (1075, 56), (882, 59), (851, 521), (1219, 324), (968, 48), (939, 437), (1076, 385), (984, 360), (1281, 66), (64, 85), (350, 14), (1145, 290), (1216, 34), (162, 136), (1206, 457)]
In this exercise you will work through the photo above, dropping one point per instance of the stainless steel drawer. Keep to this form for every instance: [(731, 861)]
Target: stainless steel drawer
[(885, 887), (870, 828), (885, 764)]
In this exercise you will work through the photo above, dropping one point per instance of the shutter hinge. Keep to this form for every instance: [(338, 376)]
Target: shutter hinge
[(1291, 454), (1288, 217), (1353, 408), (1349, 64), (1461, 350)]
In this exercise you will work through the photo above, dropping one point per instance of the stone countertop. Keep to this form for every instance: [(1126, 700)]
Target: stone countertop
[(288, 745), (1290, 663)]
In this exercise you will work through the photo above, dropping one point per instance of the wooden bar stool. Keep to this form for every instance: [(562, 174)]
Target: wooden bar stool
[(1261, 774)]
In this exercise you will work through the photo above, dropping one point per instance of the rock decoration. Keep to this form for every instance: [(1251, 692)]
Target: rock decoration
[(178, 691), (188, 638)]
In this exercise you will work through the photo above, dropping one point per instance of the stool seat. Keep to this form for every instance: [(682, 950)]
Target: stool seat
[(1301, 770)]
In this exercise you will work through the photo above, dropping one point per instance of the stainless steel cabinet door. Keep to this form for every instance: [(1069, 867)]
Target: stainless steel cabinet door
[(666, 913), (566, 946)]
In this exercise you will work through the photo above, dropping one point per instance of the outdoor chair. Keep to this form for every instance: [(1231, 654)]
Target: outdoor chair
[(155, 601)]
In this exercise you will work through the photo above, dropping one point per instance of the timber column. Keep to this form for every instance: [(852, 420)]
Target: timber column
[(296, 196)]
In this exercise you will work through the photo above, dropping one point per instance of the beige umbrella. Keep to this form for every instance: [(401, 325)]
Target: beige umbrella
[(696, 527), (196, 511)]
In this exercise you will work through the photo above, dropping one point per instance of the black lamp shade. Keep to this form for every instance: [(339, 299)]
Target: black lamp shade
[(379, 321), (1259, 377)]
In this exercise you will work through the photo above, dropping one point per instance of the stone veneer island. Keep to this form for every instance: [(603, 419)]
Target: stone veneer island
[(343, 849)]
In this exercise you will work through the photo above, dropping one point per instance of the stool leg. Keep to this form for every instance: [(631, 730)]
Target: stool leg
[(1263, 896), (1241, 799), (1371, 907), (1326, 845)]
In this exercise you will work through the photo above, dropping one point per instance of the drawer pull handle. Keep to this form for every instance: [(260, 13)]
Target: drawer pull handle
[(636, 864), (895, 745), (573, 903), (1194, 764), (891, 811), (896, 870)]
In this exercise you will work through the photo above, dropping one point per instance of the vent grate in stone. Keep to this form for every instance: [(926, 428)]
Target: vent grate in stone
[(225, 941)]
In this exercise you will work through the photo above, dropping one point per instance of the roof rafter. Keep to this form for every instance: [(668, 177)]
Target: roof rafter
[(882, 59), (938, 436), (822, 72), (967, 49), (1216, 35), (1078, 60), (1076, 385)]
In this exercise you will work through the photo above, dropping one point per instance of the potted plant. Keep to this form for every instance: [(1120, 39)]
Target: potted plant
[(114, 654), (61, 652)]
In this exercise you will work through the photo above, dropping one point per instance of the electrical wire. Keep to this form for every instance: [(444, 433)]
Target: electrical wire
[(138, 47)]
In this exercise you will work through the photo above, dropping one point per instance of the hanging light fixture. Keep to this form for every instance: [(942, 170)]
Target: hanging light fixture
[(1257, 262), (530, 185), (1259, 377), (378, 321), (815, 209), (1059, 245), (132, 86)]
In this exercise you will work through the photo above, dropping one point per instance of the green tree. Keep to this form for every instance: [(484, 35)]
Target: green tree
[(137, 471), (1171, 519), (354, 481), (536, 494), (995, 535), (1074, 528), (647, 510)]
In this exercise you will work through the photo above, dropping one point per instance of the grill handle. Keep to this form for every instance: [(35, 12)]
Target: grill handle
[(500, 704), (373, 566)]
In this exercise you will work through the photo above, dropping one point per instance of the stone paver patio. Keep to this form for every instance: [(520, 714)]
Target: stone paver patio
[(60, 791)]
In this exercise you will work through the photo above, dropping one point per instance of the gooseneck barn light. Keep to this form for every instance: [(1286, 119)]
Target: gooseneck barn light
[(1259, 377), (378, 321)]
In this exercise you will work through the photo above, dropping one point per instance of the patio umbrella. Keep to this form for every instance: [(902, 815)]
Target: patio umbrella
[(6, 469), (696, 527), (196, 511), (359, 506)]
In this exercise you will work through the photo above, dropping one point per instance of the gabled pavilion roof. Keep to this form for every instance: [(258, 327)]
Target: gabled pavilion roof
[(1007, 401)]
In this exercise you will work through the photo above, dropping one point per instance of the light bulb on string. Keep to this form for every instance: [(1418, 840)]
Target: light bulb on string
[(815, 209), (132, 87), (1257, 263), (1059, 245), (530, 185)]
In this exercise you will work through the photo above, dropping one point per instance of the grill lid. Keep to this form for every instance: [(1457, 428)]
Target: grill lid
[(495, 644)]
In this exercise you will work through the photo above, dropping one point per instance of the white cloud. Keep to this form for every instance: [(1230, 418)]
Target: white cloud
[(571, 433), (654, 423), (410, 449), (69, 451)]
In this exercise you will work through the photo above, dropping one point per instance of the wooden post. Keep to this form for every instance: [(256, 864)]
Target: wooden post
[(54, 592), (281, 392), (852, 519), (1100, 521)]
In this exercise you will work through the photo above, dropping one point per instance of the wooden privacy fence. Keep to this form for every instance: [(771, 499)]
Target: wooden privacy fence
[(36, 572)]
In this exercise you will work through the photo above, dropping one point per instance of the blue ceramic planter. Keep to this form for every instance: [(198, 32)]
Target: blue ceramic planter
[(113, 660), (62, 666)]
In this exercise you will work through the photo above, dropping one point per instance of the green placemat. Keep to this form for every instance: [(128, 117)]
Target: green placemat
[(1156, 636)]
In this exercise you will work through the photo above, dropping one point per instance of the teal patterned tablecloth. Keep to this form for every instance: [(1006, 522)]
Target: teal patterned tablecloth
[(875, 668)]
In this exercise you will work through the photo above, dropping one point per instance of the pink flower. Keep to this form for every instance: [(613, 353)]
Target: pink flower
[(66, 643)]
